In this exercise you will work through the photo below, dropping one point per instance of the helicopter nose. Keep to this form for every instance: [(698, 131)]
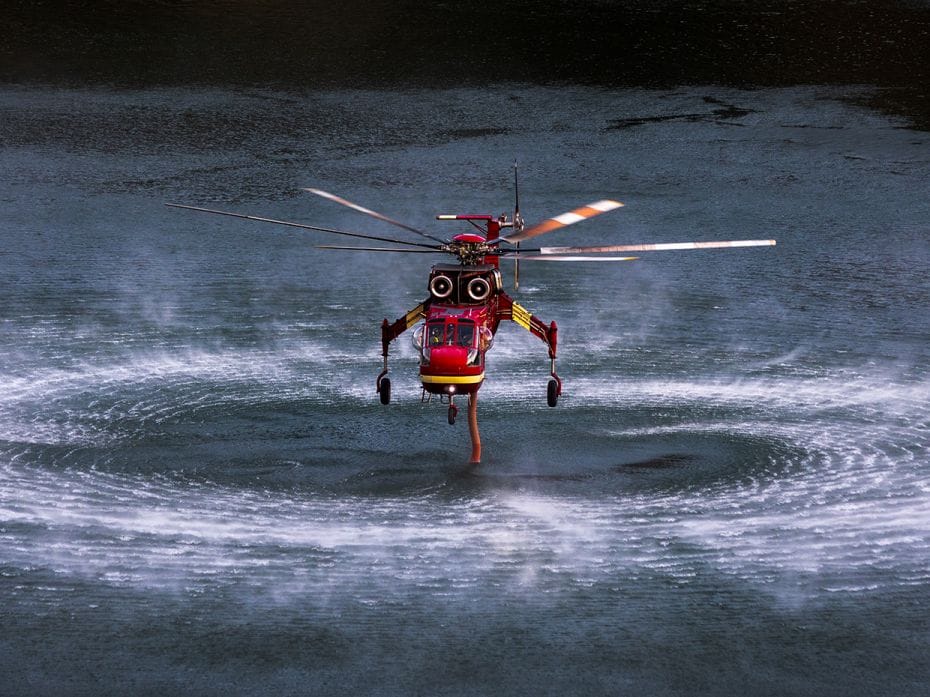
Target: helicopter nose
[(448, 359)]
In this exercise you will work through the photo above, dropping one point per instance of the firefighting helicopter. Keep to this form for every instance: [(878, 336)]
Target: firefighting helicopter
[(467, 301)]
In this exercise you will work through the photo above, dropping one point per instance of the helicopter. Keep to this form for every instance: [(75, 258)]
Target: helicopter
[(467, 301)]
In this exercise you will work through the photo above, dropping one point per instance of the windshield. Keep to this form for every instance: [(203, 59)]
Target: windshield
[(466, 333), (450, 333)]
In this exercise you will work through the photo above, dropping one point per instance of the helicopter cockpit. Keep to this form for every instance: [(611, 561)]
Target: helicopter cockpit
[(452, 332), (447, 331)]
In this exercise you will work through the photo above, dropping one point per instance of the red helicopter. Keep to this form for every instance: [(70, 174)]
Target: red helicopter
[(467, 301)]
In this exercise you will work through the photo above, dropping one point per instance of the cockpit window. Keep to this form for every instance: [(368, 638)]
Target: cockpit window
[(434, 334), (461, 333), (466, 333)]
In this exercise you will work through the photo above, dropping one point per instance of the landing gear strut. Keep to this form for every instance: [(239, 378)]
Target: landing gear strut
[(453, 411)]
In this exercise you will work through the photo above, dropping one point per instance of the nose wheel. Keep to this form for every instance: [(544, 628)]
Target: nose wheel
[(453, 412)]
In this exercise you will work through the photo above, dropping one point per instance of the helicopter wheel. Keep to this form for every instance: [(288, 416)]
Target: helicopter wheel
[(452, 412), (384, 390), (552, 393)]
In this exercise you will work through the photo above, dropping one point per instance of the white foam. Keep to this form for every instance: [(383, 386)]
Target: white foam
[(853, 502)]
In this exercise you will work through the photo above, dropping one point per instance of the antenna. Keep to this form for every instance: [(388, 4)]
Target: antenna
[(517, 224), (516, 194)]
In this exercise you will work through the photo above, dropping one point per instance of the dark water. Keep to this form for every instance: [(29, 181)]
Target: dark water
[(199, 493)]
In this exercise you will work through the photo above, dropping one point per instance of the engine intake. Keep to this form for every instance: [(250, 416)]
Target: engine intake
[(441, 286), (464, 285)]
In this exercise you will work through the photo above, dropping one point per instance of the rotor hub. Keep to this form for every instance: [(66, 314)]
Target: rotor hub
[(469, 248)]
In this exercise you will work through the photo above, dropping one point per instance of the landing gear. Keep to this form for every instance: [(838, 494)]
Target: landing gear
[(554, 388), (453, 411), (383, 384), (552, 393), (384, 390)]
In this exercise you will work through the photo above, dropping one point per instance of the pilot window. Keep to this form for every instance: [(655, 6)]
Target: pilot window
[(451, 333), (466, 333), (434, 334)]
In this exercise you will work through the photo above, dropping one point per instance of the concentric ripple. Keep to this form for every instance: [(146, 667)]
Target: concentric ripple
[(790, 485)]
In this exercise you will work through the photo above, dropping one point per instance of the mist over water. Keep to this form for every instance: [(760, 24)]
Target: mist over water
[(199, 491)]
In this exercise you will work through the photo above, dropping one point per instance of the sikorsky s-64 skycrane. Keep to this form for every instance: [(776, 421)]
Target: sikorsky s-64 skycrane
[(467, 302)]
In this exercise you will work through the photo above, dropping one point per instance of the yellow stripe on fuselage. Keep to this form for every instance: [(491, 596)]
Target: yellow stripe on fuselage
[(451, 379)]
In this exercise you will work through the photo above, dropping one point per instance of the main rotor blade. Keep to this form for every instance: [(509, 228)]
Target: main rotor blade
[(534, 257), (380, 249), (373, 214), (300, 225), (661, 247), (560, 221)]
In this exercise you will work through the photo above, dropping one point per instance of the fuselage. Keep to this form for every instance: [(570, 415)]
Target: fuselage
[(459, 328), (452, 356)]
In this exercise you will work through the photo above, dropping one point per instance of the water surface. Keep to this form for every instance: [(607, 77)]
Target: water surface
[(199, 492)]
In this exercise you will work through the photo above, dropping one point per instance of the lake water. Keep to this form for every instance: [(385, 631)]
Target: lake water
[(200, 493)]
